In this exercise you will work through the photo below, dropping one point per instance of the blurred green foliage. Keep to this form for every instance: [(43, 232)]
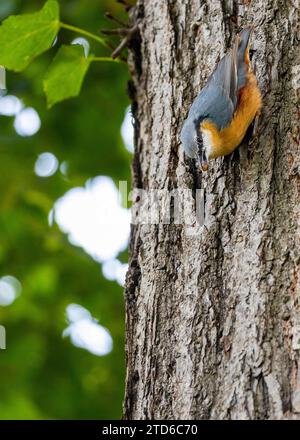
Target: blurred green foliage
[(66, 73), (43, 375), (25, 36)]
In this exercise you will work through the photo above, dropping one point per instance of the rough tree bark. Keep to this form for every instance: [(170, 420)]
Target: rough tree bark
[(213, 320)]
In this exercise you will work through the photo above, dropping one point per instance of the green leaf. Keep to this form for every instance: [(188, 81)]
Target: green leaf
[(66, 74), (23, 37)]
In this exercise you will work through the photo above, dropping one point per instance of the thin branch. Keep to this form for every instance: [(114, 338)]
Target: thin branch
[(124, 43), (101, 59), (84, 32), (116, 20), (122, 32)]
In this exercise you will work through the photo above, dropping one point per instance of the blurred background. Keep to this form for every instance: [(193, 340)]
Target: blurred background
[(64, 233)]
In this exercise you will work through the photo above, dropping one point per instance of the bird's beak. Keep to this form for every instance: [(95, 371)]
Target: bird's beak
[(203, 160), (201, 153)]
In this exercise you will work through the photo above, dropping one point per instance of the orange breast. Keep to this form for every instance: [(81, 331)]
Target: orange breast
[(225, 141)]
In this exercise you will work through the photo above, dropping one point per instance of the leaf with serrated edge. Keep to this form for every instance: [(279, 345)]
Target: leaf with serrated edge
[(23, 37), (66, 74)]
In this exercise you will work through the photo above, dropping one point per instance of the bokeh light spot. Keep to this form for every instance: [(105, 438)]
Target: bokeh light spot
[(46, 165), (10, 105), (10, 288), (27, 122), (64, 168)]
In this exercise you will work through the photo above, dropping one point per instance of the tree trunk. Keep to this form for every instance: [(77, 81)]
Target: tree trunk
[(213, 318)]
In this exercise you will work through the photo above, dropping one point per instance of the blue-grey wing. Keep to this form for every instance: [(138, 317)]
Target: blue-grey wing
[(225, 75), (212, 103), (218, 99)]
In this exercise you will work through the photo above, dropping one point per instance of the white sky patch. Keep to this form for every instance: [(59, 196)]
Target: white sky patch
[(114, 270), (46, 165), (94, 219), (75, 312), (85, 331), (27, 122), (83, 42), (127, 130), (10, 289), (10, 105)]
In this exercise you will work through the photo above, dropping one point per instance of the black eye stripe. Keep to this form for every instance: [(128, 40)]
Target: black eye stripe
[(199, 143), (251, 53)]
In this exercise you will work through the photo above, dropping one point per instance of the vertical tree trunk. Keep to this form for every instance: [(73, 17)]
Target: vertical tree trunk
[(213, 319)]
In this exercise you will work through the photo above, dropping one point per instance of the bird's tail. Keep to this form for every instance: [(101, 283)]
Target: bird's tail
[(243, 64)]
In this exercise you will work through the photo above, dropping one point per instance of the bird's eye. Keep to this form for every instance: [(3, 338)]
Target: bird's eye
[(251, 53)]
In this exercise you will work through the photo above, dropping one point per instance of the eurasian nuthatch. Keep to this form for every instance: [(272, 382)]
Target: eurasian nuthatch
[(221, 114)]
